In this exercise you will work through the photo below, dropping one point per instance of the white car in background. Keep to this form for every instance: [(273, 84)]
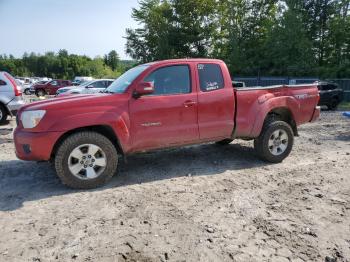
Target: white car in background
[(81, 79), (90, 87)]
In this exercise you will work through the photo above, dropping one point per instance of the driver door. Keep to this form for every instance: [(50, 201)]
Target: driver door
[(168, 117)]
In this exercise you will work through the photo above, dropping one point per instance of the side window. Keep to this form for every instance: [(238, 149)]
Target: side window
[(98, 84), (54, 83), (210, 77), (171, 80), (2, 83), (108, 83)]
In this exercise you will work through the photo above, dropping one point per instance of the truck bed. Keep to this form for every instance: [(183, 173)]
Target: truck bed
[(251, 107)]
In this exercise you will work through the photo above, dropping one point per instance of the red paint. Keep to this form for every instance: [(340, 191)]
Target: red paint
[(16, 89), (52, 89), (159, 121)]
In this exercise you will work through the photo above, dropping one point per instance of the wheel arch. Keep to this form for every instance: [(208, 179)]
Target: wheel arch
[(283, 114), (104, 130)]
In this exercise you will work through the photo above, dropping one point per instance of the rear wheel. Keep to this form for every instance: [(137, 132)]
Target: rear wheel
[(3, 114), (333, 104), (27, 91), (86, 160), (40, 92), (275, 141)]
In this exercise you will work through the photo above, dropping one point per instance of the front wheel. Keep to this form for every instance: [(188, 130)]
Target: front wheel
[(86, 160), (275, 142), (27, 91)]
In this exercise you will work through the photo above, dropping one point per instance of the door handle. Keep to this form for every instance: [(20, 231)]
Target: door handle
[(189, 103)]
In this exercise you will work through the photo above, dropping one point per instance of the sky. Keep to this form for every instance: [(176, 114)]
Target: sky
[(84, 27)]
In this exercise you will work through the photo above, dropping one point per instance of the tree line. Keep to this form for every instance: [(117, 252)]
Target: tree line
[(63, 65), (267, 37)]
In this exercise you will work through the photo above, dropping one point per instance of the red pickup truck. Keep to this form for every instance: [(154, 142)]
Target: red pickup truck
[(51, 87), (158, 105)]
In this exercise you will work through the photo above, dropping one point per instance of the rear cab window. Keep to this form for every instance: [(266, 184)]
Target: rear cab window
[(170, 80), (210, 77)]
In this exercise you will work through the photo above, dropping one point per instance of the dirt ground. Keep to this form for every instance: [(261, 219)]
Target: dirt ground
[(200, 203)]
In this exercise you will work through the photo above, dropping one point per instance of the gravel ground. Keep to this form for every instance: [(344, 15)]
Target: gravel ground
[(199, 203)]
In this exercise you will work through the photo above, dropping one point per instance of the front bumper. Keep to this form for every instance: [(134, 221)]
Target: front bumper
[(316, 114), (15, 104), (35, 146)]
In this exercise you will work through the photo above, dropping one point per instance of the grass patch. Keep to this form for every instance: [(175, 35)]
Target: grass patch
[(344, 106)]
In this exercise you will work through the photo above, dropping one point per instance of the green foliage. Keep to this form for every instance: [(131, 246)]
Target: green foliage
[(275, 37), (112, 60), (63, 65), (174, 28)]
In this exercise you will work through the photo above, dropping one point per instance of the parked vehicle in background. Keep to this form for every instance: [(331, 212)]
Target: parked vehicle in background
[(163, 104), (94, 86), (10, 96), (25, 80), (330, 94), (31, 90), (81, 79), (237, 84), (51, 87), (76, 83)]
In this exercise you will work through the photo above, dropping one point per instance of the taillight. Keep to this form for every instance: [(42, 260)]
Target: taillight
[(16, 88)]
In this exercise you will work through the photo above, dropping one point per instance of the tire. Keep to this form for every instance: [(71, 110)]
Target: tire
[(65, 160), (272, 147), (27, 91), (3, 114), (333, 104), (40, 93), (224, 142)]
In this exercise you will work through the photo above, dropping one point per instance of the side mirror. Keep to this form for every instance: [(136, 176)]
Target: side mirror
[(145, 88)]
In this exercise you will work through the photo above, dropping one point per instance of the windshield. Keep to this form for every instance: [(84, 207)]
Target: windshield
[(122, 82)]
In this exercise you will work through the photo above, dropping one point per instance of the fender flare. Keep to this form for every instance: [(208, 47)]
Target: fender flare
[(120, 125), (268, 106)]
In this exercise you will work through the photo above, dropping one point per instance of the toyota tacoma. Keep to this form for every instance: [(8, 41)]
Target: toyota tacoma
[(159, 105)]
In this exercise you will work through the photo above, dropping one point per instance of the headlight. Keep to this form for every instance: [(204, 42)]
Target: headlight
[(31, 119)]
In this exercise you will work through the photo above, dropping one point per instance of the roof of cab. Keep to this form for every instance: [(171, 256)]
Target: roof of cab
[(185, 60)]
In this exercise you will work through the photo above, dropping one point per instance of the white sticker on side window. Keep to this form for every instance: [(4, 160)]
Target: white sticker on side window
[(212, 86), (200, 66)]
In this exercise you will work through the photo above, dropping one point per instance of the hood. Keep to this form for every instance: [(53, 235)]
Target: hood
[(71, 102)]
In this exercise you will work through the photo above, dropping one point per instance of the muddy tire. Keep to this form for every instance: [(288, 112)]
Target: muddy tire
[(224, 142), (86, 160), (275, 141), (3, 114)]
